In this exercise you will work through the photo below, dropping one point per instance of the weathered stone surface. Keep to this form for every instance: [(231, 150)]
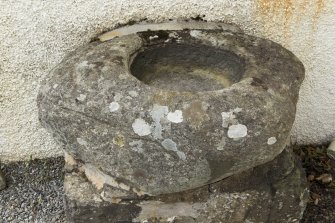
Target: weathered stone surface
[(273, 192), (168, 111), (2, 181)]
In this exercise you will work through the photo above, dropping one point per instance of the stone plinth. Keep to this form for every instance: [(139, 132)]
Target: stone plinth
[(273, 192)]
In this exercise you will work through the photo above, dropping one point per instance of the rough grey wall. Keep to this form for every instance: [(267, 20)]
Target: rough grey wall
[(36, 34)]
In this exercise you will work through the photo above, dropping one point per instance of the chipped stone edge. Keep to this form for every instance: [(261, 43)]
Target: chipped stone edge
[(171, 25), (97, 178)]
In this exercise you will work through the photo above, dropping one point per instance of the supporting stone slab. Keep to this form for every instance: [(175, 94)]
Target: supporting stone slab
[(273, 192)]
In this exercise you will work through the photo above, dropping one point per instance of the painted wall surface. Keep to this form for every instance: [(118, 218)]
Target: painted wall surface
[(35, 35)]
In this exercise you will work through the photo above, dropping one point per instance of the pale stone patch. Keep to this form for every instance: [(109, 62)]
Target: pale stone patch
[(272, 140), (153, 37), (69, 160), (81, 97)]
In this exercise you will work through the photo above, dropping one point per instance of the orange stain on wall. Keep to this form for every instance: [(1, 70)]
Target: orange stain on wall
[(286, 13)]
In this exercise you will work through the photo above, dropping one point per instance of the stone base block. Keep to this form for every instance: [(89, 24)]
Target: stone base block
[(273, 192)]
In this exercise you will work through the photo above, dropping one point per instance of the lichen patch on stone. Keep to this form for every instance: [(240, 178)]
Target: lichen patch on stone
[(141, 127), (237, 131), (119, 140), (226, 118), (221, 144), (229, 118), (169, 144), (114, 106), (272, 140), (136, 146), (195, 114), (175, 117), (157, 113)]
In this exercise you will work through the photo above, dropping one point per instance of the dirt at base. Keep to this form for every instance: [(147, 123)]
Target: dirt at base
[(320, 169)]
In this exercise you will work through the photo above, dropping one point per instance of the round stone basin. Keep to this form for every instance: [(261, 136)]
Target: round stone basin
[(158, 112), (186, 67)]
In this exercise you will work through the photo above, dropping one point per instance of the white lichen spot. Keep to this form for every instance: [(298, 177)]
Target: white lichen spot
[(55, 86), (272, 140), (169, 144), (134, 94), (81, 142), (175, 117), (141, 127), (237, 131), (114, 106), (81, 97)]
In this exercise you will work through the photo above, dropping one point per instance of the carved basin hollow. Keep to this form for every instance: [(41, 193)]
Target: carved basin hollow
[(186, 67), (158, 112)]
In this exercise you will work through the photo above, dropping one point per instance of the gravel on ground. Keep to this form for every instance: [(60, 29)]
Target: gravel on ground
[(34, 192)]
